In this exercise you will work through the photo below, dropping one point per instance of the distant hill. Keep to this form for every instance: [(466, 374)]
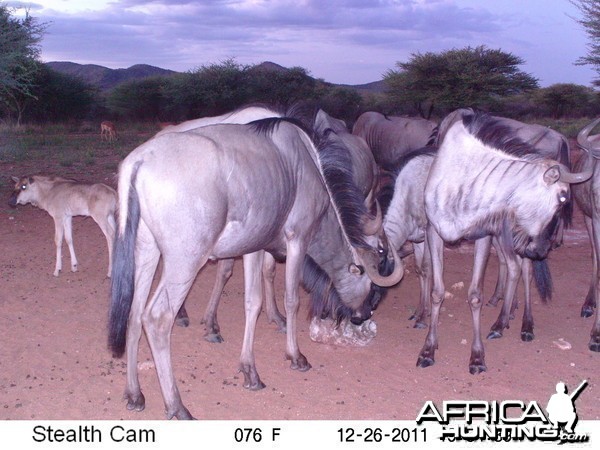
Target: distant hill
[(375, 87), (105, 78)]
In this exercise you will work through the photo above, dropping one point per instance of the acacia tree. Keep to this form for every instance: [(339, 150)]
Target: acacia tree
[(19, 64), (591, 22), (469, 77)]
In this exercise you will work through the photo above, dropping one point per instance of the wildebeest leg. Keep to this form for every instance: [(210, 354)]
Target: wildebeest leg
[(527, 324), (475, 295), (179, 271), (253, 263), (224, 272), (146, 261), (513, 265), (268, 273), (587, 309), (68, 226), (423, 263), (108, 226), (501, 282), (293, 272), (436, 247), (594, 344)]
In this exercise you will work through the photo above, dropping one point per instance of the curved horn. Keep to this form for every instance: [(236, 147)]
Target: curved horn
[(583, 137), (372, 226), (369, 259), (577, 177)]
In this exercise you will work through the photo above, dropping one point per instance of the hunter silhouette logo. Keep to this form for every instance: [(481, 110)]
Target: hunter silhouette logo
[(561, 407), (508, 420)]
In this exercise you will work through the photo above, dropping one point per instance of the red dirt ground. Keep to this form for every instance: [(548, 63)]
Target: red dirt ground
[(54, 362)]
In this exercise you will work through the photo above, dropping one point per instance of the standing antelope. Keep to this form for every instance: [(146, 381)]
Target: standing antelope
[(108, 131), (63, 199)]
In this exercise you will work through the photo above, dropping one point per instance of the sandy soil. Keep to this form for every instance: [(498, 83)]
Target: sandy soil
[(54, 362)]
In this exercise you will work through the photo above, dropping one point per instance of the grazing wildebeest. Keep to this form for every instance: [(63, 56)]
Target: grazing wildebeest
[(364, 172), (241, 115), (588, 199), (389, 138), (484, 182), (63, 199), (223, 191)]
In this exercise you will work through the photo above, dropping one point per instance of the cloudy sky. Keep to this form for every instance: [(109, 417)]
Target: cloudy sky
[(341, 41)]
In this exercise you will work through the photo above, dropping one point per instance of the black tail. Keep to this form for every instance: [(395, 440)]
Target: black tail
[(123, 275), (543, 279)]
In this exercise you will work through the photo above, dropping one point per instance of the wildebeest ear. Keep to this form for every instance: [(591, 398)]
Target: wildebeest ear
[(356, 269), (552, 175), (15, 179)]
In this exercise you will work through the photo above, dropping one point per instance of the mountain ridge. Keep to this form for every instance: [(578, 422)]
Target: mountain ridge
[(105, 78)]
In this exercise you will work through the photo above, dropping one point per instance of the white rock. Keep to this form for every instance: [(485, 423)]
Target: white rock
[(347, 334)]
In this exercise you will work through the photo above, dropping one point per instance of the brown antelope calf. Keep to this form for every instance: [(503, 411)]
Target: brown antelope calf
[(108, 131), (63, 199)]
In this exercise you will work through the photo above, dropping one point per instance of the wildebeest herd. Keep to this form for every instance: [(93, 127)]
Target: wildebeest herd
[(338, 208)]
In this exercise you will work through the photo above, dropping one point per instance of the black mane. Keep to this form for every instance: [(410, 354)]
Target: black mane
[(337, 167), (491, 132), (325, 299)]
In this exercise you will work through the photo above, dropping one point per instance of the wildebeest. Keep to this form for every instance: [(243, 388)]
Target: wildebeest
[(405, 220), (63, 199), (588, 199), (390, 137), (484, 182), (364, 174), (241, 115), (551, 144), (223, 191)]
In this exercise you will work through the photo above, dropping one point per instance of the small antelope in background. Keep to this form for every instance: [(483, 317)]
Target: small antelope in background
[(63, 199), (108, 131)]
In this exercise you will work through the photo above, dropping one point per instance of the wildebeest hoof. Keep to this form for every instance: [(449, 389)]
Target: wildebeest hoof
[(255, 386), (494, 334), (420, 325), (181, 414), (425, 361), (527, 336), (215, 338), (74, 269), (135, 402), (56, 273), (301, 363), (493, 301), (477, 367), (594, 344), (251, 379), (183, 321), (587, 311)]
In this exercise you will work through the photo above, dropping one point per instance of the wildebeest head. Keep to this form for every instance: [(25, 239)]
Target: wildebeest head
[(340, 290), (23, 192), (539, 221)]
